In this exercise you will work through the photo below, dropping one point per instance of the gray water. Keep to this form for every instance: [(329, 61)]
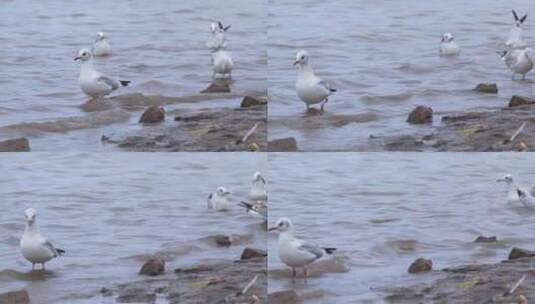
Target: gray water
[(159, 46), (108, 211), (383, 59), (382, 211)]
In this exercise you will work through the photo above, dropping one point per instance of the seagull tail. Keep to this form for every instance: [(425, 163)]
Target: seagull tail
[(60, 251), (125, 83), (329, 250)]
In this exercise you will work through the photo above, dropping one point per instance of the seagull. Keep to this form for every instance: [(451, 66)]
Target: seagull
[(92, 82), (34, 247), (526, 198), (516, 35), (217, 39), (258, 209), (219, 199), (222, 64), (293, 251), (101, 47), (448, 47), (310, 88), (520, 61), (258, 188)]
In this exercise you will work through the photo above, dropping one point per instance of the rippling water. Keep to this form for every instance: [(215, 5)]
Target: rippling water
[(385, 210), (160, 47), (383, 58), (107, 210)]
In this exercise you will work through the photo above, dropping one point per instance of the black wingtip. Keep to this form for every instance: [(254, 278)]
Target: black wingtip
[(245, 205), (329, 250), (60, 251), (220, 25), (125, 83), (520, 193), (332, 90), (227, 27), (515, 15), (523, 18)]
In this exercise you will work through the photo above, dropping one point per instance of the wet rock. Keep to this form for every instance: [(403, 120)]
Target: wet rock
[(337, 264), (217, 88), (15, 145), (153, 267), (517, 253), (288, 144), (106, 292), (136, 295), (520, 101), (250, 253), (15, 297), (421, 265), (223, 240), (249, 101), (421, 115), (490, 88), (283, 297), (404, 143), (485, 239), (153, 114)]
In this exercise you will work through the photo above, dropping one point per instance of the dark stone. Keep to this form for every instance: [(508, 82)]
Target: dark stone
[(249, 253), (490, 88), (136, 295), (15, 297), (217, 88), (421, 115), (288, 144), (249, 101), (283, 297), (517, 253), (223, 240), (15, 145), (153, 114), (520, 100), (153, 267), (486, 239), (421, 265)]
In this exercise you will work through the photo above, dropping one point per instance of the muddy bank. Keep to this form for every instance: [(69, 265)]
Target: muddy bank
[(487, 283)]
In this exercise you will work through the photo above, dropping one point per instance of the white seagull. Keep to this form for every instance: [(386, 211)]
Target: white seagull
[(516, 35), (219, 199), (526, 198), (92, 82), (519, 61), (34, 247), (448, 47), (101, 47), (310, 88), (222, 64), (293, 251), (217, 39), (257, 209), (258, 188)]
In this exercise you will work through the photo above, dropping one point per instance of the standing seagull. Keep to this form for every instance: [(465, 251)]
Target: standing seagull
[(219, 199), (310, 88), (101, 47), (258, 188), (516, 35), (519, 61), (448, 47), (526, 198), (295, 252), (34, 247), (92, 82), (217, 37)]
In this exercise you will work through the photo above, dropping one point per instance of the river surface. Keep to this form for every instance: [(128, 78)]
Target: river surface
[(110, 210), (159, 47), (384, 210), (383, 59)]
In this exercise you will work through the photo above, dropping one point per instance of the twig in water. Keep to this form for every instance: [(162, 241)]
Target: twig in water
[(518, 131), (248, 134), (248, 286), (517, 284)]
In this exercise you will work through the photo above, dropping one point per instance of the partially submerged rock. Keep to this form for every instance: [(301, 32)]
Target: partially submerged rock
[(490, 88), (15, 297), (249, 101), (154, 114), (250, 253), (15, 145), (421, 115), (517, 100), (153, 267), (136, 295), (288, 144), (517, 253), (217, 88), (335, 264), (421, 265), (283, 297), (485, 239)]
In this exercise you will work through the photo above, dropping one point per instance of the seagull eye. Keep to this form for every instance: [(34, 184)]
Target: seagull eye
[(303, 57)]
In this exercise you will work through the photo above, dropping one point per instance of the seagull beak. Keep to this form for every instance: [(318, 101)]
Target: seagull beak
[(227, 193), (76, 58), (500, 180), (272, 229)]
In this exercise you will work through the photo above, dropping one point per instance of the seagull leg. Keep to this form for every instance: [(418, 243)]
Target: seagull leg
[(523, 76), (33, 266), (293, 274), (323, 104), (305, 271)]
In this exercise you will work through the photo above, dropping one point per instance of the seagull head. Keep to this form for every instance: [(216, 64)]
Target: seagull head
[(301, 58), (214, 28), (222, 191), (30, 215), (100, 36), (283, 224), (502, 54), (83, 55), (258, 177), (447, 37), (507, 178)]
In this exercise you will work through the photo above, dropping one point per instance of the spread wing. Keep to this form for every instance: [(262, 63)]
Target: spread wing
[(110, 82)]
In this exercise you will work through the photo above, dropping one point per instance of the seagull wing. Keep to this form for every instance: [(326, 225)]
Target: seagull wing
[(531, 54), (312, 249), (324, 84), (112, 83), (50, 247)]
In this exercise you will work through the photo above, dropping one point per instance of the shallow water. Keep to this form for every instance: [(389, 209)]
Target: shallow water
[(383, 211), (159, 47), (383, 59), (108, 210)]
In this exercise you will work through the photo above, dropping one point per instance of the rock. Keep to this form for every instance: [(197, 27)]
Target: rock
[(217, 88), (15, 297), (153, 114), (520, 100), (136, 295), (486, 239), (223, 240), (249, 101), (490, 88), (288, 144), (249, 253), (517, 253), (153, 267), (15, 145), (421, 115), (283, 297), (421, 265)]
